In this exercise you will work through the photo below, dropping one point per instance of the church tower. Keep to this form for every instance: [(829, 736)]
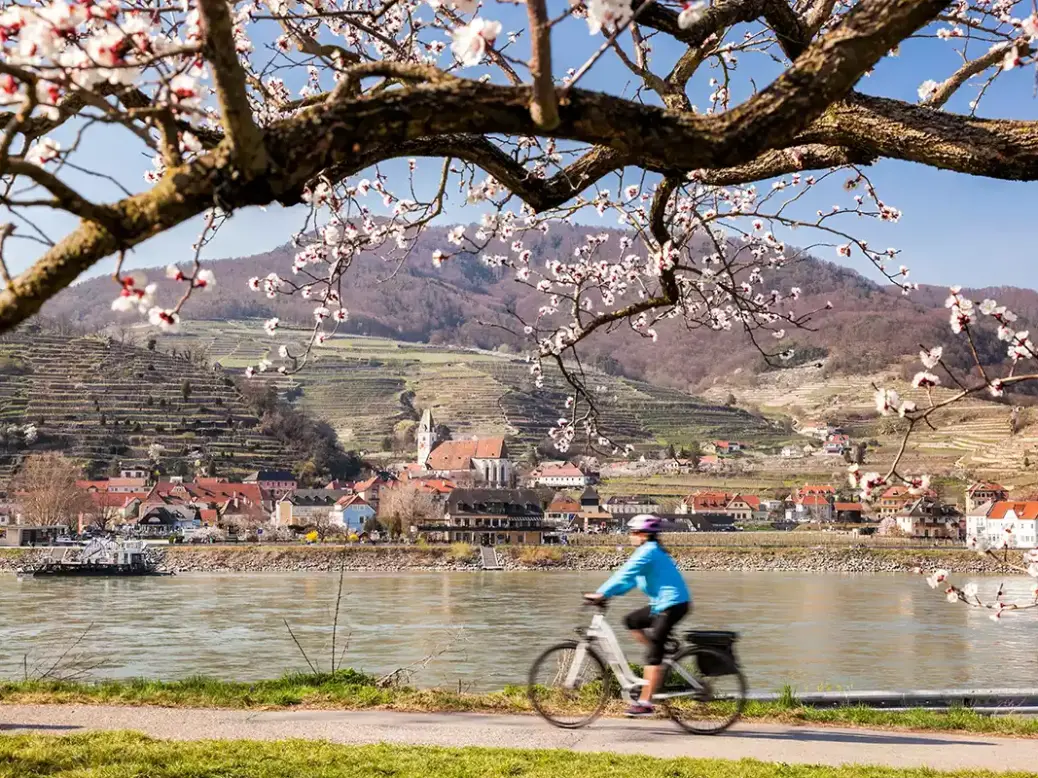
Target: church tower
[(426, 437)]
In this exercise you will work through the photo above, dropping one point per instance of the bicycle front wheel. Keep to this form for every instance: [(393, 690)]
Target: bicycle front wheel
[(569, 685), (704, 703)]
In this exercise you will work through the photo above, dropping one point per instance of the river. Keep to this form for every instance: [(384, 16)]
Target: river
[(814, 631)]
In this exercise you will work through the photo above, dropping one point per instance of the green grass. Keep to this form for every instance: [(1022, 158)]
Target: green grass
[(351, 690), (110, 754)]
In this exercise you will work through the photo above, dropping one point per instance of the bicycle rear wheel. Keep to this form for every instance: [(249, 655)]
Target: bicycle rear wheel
[(569, 685), (713, 702)]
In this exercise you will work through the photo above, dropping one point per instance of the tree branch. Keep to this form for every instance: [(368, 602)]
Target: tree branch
[(969, 69), (241, 129), (544, 108)]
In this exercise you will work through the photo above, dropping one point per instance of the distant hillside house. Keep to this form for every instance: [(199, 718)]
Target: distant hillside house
[(277, 482), (982, 492), (1004, 524), (631, 505), (481, 460), (837, 444), (724, 447), (559, 475), (491, 517)]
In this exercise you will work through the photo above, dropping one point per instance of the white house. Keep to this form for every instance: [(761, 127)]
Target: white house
[(1003, 523), (560, 475)]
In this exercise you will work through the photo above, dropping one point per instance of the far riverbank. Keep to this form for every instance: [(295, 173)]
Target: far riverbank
[(388, 559)]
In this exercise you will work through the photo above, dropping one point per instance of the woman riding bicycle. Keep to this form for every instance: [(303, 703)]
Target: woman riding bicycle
[(652, 570)]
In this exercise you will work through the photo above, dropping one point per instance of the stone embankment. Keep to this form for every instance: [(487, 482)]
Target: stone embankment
[(389, 559)]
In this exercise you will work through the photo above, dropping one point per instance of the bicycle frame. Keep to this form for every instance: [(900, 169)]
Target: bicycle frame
[(604, 637)]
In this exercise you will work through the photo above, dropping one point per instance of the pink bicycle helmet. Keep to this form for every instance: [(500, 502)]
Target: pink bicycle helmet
[(645, 522)]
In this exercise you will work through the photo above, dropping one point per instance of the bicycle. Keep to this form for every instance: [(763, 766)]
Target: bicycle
[(577, 681)]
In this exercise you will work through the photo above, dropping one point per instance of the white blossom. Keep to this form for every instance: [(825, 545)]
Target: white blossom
[(469, 43)]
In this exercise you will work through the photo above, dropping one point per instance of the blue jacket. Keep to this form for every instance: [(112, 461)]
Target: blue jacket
[(651, 569)]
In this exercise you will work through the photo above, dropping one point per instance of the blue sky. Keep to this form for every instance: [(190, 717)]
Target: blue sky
[(955, 228)]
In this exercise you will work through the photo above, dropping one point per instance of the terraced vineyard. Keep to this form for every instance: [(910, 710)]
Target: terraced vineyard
[(363, 386), (101, 401), (973, 434)]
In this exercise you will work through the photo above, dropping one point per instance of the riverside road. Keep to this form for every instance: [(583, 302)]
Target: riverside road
[(766, 742)]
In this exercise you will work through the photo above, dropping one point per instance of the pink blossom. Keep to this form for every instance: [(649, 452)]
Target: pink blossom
[(270, 325), (925, 380), (164, 319)]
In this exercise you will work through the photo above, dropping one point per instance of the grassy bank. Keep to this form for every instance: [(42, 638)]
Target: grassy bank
[(350, 690), (104, 755)]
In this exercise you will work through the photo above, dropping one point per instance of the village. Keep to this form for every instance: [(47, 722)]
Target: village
[(473, 491)]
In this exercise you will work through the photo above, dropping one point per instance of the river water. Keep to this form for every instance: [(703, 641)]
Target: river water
[(814, 631)]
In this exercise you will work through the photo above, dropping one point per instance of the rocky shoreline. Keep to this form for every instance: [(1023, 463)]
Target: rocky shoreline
[(287, 559)]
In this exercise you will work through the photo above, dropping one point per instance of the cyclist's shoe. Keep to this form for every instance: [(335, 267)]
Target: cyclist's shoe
[(639, 710)]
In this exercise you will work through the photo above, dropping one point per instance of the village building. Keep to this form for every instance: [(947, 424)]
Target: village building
[(837, 444), (371, 488), (710, 463), (559, 475), (848, 512), (620, 506), (733, 506), (163, 521), (277, 482), (482, 461), (984, 492), (1004, 524), (811, 507), (897, 499), (304, 507), (679, 465), (563, 511), (490, 517), (351, 512), (724, 447), (119, 485), (928, 518)]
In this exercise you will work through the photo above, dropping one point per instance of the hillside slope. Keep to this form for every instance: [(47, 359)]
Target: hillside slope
[(869, 328), (101, 402), (364, 386)]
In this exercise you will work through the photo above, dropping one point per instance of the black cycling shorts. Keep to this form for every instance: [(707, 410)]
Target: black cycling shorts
[(658, 627)]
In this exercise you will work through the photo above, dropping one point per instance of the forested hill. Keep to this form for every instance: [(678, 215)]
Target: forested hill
[(868, 328)]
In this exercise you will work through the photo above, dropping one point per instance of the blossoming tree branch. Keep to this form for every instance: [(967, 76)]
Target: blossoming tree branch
[(306, 102)]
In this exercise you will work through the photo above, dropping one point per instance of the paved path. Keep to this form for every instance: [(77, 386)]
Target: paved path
[(775, 743)]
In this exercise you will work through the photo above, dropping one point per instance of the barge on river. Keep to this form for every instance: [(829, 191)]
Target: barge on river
[(99, 557)]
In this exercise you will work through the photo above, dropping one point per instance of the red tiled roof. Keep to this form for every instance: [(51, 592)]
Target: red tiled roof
[(816, 489), (563, 504), (1027, 511), (351, 499), (709, 459), (563, 470), (207, 491), (209, 515), (458, 454), (849, 506), (905, 493), (813, 499), (986, 486)]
